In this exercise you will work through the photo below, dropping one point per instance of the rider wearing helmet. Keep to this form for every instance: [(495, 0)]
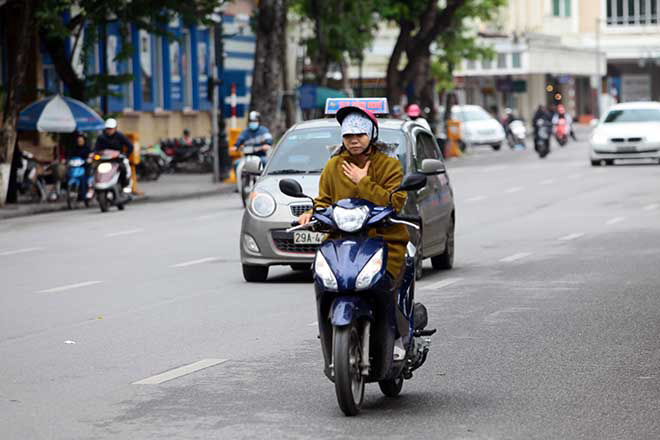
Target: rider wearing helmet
[(256, 135), (359, 169), (112, 139), (415, 114), (561, 114)]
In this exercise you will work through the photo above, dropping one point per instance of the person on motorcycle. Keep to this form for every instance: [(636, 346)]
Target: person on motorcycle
[(541, 113), (187, 139), (415, 114), (80, 148), (359, 169), (112, 139), (561, 114), (256, 135)]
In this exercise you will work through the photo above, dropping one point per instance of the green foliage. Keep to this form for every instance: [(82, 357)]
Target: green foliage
[(93, 15), (340, 28), (459, 43)]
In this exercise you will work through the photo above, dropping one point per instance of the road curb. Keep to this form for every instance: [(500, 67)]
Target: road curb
[(47, 208)]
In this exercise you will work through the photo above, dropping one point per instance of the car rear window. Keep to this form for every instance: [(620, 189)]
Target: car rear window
[(633, 115), (306, 150)]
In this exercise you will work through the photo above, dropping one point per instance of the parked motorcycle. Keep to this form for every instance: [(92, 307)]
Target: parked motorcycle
[(516, 134), (197, 156), (30, 184), (368, 332), (107, 183), (153, 162), (561, 132), (542, 137), (76, 183)]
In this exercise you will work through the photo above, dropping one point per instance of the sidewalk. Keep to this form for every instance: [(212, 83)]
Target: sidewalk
[(168, 188)]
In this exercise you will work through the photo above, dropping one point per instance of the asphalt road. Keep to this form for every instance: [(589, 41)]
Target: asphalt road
[(548, 327)]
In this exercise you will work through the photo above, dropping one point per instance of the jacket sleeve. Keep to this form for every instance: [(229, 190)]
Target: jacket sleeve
[(240, 139), (324, 198), (379, 193)]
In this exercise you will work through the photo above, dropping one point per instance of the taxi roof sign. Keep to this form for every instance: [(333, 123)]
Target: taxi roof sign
[(377, 106)]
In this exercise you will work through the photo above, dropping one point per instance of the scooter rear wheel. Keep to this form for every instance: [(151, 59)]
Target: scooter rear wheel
[(349, 382)]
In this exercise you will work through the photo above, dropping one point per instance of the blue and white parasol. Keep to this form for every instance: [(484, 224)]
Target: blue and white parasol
[(59, 114)]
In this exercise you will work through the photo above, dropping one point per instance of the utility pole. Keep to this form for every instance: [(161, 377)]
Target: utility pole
[(221, 161), (599, 81)]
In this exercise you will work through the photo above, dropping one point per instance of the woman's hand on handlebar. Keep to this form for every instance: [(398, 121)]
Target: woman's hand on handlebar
[(304, 218)]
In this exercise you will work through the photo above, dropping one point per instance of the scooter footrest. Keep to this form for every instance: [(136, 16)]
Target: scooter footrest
[(427, 332)]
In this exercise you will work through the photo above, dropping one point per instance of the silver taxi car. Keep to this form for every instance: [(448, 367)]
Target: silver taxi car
[(301, 154)]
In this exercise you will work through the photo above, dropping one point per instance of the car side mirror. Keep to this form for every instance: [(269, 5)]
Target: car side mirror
[(252, 165), (412, 182), (432, 167), (292, 188)]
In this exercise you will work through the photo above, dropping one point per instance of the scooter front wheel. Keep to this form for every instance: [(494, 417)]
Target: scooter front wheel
[(349, 382), (103, 200)]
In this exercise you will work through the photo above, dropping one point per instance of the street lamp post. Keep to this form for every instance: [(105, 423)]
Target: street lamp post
[(599, 77)]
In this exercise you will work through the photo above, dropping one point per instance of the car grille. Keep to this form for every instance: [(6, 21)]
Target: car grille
[(621, 140), (284, 243), (298, 210)]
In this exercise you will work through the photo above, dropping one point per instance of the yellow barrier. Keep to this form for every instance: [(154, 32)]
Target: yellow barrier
[(234, 153)]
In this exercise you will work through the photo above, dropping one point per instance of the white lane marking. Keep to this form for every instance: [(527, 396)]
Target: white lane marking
[(178, 372), (570, 237), (515, 257), (440, 284), (19, 251), (515, 189), (476, 199), (193, 262), (547, 182), (127, 232), (651, 207), (69, 287), (615, 220)]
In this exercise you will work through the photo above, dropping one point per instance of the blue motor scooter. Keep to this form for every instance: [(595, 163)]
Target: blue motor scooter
[(77, 182), (370, 328)]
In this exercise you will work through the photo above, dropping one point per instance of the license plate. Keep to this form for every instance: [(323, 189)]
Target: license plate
[(626, 149), (307, 237)]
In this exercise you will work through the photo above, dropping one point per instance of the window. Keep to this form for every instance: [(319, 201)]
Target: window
[(561, 8), (187, 70), (515, 60), (158, 74), (631, 12), (471, 65), (501, 61), (486, 63), (633, 115)]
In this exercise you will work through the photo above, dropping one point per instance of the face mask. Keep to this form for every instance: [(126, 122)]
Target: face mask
[(253, 125)]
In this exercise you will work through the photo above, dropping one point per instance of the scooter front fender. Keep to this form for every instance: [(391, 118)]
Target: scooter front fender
[(347, 309)]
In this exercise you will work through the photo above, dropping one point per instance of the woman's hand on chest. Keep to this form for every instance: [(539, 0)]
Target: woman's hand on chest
[(354, 172)]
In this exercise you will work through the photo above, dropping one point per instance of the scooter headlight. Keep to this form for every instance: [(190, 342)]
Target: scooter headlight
[(105, 167), (323, 271), (350, 220), (370, 270)]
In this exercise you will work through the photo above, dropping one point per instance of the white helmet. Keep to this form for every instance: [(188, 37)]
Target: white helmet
[(254, 116), (111, 123)]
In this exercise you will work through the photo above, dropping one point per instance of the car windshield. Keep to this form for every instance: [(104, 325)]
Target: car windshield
[(473, 115), (306, 151), (633, 115)]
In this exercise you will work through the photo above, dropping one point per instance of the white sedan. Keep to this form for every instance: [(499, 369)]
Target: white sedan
[(627, 131), (478, 127)]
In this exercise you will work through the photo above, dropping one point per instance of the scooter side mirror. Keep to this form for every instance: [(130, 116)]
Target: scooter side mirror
[(432, 167), (292, 188), (252, 165)]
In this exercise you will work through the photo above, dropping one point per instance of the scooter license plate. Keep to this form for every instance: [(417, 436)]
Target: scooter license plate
[(308, 237)]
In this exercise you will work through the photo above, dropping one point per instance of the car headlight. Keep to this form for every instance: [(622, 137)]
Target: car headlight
[(262, 204), (350, 220), (369, 271), (323, 271), (599, 139), (105, 167)]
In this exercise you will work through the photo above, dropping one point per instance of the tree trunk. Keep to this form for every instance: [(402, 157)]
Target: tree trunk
[(268, 77), (289, 96), (23, 11)]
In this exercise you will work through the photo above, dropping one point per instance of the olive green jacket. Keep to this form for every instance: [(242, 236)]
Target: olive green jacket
[(384, 176)]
